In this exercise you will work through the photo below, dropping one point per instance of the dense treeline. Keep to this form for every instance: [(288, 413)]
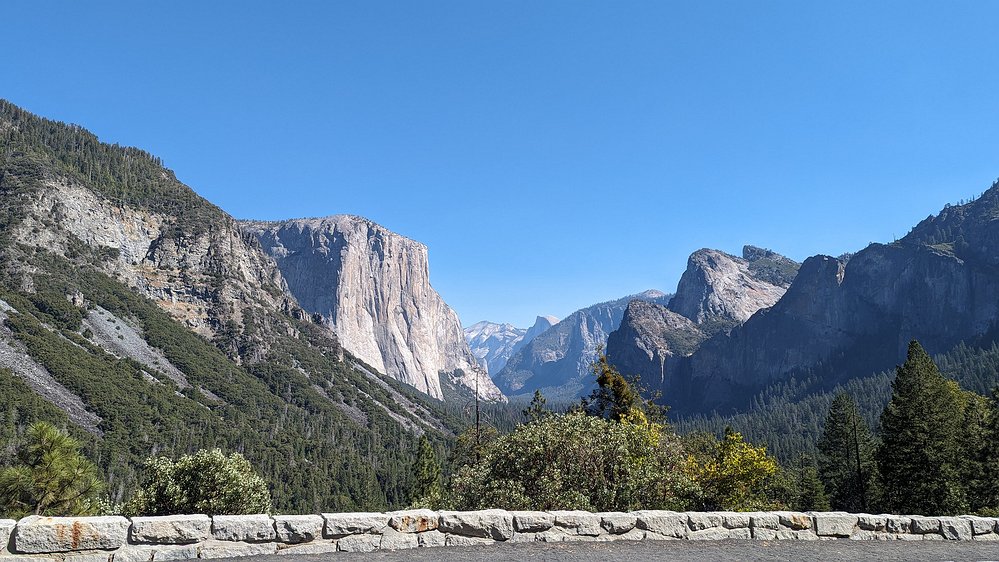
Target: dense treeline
[(34, 149), (789, 416), (934, 453), (322, 440)]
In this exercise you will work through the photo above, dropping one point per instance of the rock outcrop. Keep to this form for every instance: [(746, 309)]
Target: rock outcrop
[(493, 344), (209, 277), (852, 316), (372, 286), (557, 362), (650, 336), (725, 290), (717, 292)]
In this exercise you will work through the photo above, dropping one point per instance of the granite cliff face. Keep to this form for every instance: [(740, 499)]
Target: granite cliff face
[(557, 362), (720, 288), (373, 288), (493, 344), (651, 335), (716, 292), (850, 317), (206, 280)]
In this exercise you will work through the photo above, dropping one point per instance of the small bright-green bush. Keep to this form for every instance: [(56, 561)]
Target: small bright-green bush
[(209, 481)]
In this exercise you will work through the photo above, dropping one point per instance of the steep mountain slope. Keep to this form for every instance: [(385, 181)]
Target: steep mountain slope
[(493, 344), (373, 288), (716, 292), (650, 335), (139, 314), (557, 362), (848, 317)]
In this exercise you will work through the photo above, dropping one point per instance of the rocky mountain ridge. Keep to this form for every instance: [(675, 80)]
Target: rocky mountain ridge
[(557, 362), (493, 344), (716, 292), (372, 287), (839, 318), (142, 318)]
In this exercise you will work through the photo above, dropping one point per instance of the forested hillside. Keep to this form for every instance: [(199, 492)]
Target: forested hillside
[(201, 348), (788, 417)]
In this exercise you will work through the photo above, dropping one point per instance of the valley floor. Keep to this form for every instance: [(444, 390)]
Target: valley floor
[(709, 551)]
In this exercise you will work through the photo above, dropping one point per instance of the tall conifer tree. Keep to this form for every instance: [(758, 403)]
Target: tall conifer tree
[(919, 454), (846, 457)]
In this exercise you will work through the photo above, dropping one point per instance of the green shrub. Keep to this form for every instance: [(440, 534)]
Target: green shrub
[(207, 482), (575, 461)]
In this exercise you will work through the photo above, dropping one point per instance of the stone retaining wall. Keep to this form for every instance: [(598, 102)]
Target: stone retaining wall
[(182, 537)]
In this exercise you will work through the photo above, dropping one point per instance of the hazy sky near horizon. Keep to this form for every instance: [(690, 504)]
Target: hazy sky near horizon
[(551, 154)]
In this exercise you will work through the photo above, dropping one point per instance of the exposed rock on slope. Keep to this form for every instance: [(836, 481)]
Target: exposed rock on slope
[(140, 225), (840, 319), (716, 292), (493, 344), (373, 287), (719, 288), (557, 362), (649, 336)]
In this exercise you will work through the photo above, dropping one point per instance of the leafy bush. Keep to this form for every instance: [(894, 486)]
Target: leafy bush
[(575, 461), (207, 482), (734, 475)]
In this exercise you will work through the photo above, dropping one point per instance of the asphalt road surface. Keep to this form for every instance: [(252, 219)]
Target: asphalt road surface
[(683, 551)]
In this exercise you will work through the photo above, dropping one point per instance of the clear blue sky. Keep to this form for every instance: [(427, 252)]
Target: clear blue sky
[(551, 154)]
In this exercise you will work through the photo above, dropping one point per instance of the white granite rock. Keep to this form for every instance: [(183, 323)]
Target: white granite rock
[(579, 522), (64, 534), (414, 520), (898, 524), (458, 540), (703, 520), (394, 540), (981, 525), (719, 533), (733, 520), (343, 524), (298, 528), (834, 524), (495, 524), (664, 523), (760, 520), (922, 525), (232, 549), (359, 543), (243, 528), (314, 547), (431, 539), (171, 529), (6, 528), (956, 528), (870, 522), (532, 521), (88, 557), (617, 523)]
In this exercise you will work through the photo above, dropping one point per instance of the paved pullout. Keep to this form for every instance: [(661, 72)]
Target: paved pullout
[(678, 551)]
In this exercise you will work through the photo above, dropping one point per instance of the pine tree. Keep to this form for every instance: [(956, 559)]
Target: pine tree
[(614, 397), (974, 444), (536, 410), (810, 494), (919, 453), (427, 472), (990, 490), (51, 477), (846, 457)]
